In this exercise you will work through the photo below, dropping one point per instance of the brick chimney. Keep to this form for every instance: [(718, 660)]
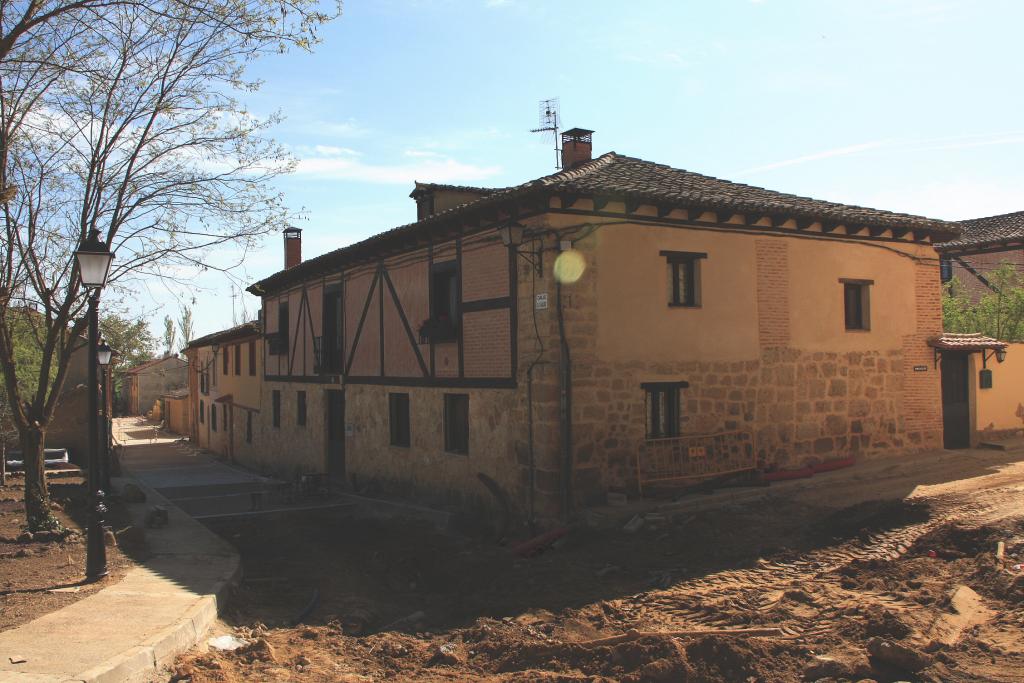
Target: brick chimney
[(577, 147), (292, 247)]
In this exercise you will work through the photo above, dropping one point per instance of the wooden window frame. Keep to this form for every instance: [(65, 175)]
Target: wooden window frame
[(283, 321), (454, 433), (445, 331), (213, 417), (300, 408), (248, 426), (238, 359), (224, 360), (856, 316), (684, 267), (202, 412), (332, 350), (399, 420), (252, 358), (945, 269), (671, 427), (275, 407)]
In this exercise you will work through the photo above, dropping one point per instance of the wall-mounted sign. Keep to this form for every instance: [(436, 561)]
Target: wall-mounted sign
[(350, 429), (920, 368), (540, 301)]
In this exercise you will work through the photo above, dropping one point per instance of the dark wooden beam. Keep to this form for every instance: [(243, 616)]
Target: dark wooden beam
[(899, 233), (876, 231), (778, 221), (600, 202), (829, 226), (632, 205), (805, 223), (664, 210), (568, 199)]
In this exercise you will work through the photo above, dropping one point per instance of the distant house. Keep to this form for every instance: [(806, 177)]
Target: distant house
[(146, 383), (986, 244), (225, 393), (618, 325)]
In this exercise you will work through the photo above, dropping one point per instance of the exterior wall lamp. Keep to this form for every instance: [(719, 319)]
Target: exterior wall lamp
[(512, 237), (1000, 355), (104, 354)]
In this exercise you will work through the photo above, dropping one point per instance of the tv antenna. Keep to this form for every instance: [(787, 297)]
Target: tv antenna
[(549, 124)]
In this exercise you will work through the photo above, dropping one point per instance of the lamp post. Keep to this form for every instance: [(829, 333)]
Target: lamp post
[(94, 259), (103, 357)]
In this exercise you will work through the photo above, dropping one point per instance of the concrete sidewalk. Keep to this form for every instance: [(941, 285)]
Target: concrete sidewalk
[(129, 629)]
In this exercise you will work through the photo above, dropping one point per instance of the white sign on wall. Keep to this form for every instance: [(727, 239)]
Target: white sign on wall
[(540, 301), (350, 429)]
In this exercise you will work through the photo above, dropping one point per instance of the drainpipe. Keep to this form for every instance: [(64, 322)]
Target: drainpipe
[(564, 404)]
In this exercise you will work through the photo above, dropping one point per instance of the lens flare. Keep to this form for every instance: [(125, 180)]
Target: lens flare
[(569, 266)]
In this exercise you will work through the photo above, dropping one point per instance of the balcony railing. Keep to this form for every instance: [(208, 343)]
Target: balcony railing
[(690, 457)]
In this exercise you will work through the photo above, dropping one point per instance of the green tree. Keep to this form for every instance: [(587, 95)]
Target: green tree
[(123, 118), (998, 313), (131, 340)]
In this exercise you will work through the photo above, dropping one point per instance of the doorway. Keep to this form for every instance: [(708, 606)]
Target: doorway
[(336, 436), (956, 401)]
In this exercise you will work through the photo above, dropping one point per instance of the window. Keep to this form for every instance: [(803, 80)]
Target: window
[(202, 413), (945, 269), (203, 382), (224, 413), (856, 303), (456, 423), (663, 413), (444, 302), (282, 328), (275, 400), (213, 417), (252, 359), (248, 426), (238, 359), (224, 358), (684, 277), (300, 418), (330, 347), (398, 411)]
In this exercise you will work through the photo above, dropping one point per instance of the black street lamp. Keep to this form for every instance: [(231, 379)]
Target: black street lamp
[(94, 259), (104, 355)]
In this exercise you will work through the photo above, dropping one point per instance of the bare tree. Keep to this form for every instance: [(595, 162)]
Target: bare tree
[(126, 124), (170, 334), (185, 325)]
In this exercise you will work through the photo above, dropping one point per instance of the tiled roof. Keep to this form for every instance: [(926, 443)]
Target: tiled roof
[(238, 332), (974, 341), (616, 176), (988, 232), (150, 363), (427, 187)]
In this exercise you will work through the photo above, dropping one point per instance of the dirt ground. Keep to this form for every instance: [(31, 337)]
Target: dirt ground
[(884, 575), (43, 574)]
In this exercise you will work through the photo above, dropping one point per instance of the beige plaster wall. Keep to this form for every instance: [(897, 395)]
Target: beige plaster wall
[(1001, 407)]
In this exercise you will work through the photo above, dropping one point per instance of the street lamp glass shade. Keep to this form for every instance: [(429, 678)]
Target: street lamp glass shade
[(511, 235), (103, 354), (215, 348), (94, 259), (1000, 355)]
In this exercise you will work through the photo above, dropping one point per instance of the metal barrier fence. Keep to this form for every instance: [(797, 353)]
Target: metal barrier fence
[(694, 456)]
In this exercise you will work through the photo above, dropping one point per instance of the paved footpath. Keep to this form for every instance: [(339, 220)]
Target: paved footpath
[(129, 629)]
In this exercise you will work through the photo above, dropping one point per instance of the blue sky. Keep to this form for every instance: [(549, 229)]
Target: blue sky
[(911, 105)]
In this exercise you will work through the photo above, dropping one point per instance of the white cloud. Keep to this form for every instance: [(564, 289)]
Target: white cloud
[(817, 156), (430, 167)]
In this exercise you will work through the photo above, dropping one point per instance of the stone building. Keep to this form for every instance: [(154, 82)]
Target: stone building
[(146, 383), (618, 325), (986, 244), (225, 381)]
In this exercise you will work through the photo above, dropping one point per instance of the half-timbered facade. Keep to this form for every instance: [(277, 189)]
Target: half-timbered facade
[(617, 325)]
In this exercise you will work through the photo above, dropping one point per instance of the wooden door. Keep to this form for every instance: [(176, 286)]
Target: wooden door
[(956, 407), (336, 435)]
